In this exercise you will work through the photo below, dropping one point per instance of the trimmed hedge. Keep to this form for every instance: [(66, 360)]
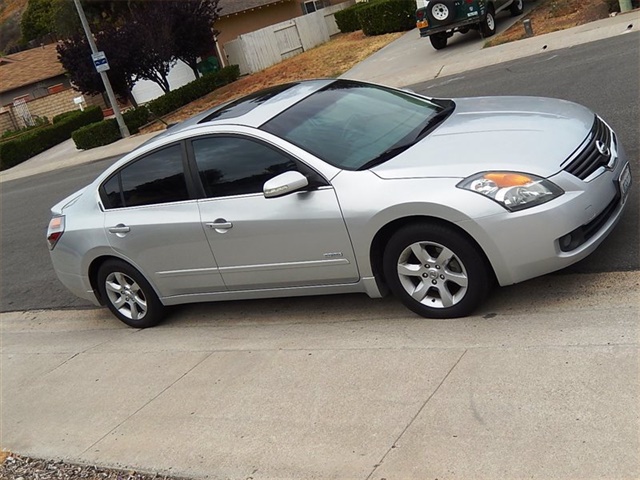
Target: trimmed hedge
[(96, 134), (380, 17), (347, 19), (175, 99), (15, 151), (107, 131)]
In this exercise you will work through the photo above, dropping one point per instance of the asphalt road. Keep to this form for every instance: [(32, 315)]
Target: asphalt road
[(601, 75)]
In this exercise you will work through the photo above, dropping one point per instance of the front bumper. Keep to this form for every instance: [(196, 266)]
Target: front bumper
[(533, 242)]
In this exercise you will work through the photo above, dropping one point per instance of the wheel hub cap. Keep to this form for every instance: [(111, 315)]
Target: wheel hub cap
[(432, 274)]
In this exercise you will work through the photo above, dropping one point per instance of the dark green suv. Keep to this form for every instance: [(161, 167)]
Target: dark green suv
[(440, 19)]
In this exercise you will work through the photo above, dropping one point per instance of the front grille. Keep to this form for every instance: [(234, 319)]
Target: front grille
[(589, 159)]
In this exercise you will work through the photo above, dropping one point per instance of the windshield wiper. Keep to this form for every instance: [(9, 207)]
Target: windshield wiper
[(431, 124), (436, 120)]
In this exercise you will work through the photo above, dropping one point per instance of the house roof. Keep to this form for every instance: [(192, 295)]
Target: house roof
[(229, 7), (29, 67)]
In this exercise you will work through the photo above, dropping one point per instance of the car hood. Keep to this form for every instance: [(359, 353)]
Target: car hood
[(524, 134)]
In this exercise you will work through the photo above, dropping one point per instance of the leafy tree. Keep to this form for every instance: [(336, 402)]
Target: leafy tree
[(49, 17), (141, 39), (37, 20), (194, 30)]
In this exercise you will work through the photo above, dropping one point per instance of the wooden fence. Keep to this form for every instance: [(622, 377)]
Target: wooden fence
[(258, 50)]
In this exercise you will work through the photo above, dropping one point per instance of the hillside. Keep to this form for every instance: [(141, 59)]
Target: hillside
[(10, 13)]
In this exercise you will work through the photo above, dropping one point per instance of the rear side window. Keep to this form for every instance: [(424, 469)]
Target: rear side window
[(155, 178)]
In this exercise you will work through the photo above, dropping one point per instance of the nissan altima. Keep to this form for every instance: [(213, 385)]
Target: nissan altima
[(337, 186)]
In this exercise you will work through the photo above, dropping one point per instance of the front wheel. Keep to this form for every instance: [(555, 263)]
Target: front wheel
[(517, 7), (128, 295), (439, 40), (436, 271), (488, 25)]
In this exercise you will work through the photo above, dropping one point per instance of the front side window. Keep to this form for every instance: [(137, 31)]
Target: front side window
[(156, 178), (237, 166)]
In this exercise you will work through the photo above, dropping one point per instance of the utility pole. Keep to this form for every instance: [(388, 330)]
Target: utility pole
[(124, 131)]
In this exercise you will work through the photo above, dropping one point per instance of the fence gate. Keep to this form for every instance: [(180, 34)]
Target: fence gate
[(288, 39), (21, 111)]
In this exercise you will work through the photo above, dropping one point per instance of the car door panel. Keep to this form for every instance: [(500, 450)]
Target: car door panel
[(296, 240), (150, 221)]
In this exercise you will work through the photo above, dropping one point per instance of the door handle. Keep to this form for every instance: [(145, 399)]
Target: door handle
[(219, 224), (120, 228)]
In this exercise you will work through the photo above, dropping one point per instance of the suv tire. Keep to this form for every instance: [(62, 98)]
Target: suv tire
[(438, 40), (441, 12), (517, 7), (488, 25)]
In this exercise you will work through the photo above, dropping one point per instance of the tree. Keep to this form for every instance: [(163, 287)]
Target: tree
[(141, 39), (194, 32), (75, 56), (36, 20)]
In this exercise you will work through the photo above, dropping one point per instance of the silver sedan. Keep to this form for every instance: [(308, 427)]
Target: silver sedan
[(336, 186)]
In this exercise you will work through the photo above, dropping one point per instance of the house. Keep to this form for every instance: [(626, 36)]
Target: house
[(238, 17), (33, 84)]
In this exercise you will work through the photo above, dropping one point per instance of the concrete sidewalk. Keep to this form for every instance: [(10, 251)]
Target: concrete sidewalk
[(353, 388)]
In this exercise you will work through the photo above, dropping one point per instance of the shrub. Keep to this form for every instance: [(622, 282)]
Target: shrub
[(62, 116), (107, 131), (136, 118), (347, 19), (387, 16), (39, 122), (15, 151), (96, 134), (175, 99)]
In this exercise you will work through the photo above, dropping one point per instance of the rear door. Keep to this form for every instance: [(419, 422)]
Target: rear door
[(152, 220), (292, 241)]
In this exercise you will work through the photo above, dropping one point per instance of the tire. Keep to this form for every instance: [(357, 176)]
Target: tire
[(517, 7), (128, 295), (436, 271), (438, 40), (488, 25), (441, 12)]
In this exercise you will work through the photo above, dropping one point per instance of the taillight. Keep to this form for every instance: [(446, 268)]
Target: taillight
[(420, 14), (55, 230)]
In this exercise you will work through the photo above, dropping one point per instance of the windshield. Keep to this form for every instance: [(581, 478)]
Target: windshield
[(354, 126)]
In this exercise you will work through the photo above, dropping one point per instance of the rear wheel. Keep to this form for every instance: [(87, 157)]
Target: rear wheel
[(438, 41), (517, 7), (488, 25), (436, 271), (128, 295)]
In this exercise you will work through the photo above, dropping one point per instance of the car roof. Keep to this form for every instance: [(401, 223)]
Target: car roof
[(252, 110)]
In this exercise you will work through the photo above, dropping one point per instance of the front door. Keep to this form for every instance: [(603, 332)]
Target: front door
[(291, 241)]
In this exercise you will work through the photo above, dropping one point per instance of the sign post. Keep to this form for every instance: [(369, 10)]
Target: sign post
[(102, 65)]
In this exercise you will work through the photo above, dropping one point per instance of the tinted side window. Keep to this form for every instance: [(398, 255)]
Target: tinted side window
[(156, 178), (112, 197), (237, 166)]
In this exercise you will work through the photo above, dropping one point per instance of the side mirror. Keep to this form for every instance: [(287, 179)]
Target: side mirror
[(284, 184)]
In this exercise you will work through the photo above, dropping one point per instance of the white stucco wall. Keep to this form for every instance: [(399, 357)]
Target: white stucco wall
[(146, 90)]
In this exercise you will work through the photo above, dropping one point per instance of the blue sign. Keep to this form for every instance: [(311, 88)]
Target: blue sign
[(100, 61)]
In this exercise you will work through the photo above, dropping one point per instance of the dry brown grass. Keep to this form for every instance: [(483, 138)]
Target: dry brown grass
[(553, 15), (328, 60)]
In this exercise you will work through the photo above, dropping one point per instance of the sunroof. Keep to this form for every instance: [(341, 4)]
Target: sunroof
[(244, 105)]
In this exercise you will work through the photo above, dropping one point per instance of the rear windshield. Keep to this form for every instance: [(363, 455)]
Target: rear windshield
[(353, 126)]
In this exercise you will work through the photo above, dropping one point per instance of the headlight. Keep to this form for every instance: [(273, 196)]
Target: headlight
[(514, 191)]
